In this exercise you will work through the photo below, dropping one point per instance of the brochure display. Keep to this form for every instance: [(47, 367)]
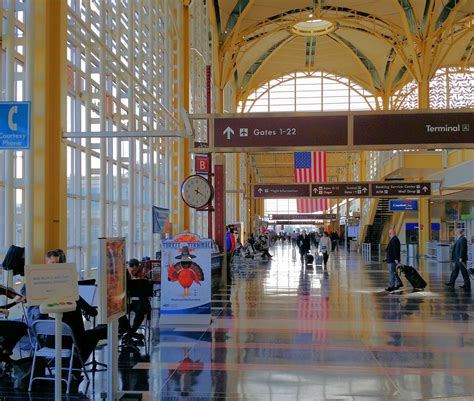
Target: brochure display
[(186, 280), (113, 301)]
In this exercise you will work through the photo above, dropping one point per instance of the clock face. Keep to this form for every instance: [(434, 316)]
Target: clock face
[(196, 191)]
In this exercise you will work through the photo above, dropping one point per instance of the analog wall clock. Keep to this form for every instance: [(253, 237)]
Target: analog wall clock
[(196, 191)]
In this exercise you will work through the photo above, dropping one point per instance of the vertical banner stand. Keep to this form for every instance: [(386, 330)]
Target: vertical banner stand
[(112, 360), (113, 290)]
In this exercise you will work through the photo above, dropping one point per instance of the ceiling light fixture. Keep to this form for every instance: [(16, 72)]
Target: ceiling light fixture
[(314, 27)]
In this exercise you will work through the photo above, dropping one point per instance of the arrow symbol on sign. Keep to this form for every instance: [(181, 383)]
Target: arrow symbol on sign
[(364, 190), (260, 190), (228, 131), (315, 190), (425, 189)]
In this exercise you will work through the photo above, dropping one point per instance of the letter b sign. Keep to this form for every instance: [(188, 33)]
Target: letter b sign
[(201, 164)]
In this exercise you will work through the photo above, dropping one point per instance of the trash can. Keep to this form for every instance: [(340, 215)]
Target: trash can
[(443, 254), (412, 251)]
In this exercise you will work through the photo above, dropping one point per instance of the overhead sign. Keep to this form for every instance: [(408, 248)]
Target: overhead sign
[(343, 131), (15, 120), (385, 189), (397, 205), (340, 190), (280, 131), (186, 288), (325, 216), (414, 128), (401, 189), (281, 191)]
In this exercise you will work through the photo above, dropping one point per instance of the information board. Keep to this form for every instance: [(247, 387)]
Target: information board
[(47, 281), (186, 280)]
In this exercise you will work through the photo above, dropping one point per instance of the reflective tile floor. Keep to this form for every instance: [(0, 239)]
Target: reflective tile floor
[(282, 332)]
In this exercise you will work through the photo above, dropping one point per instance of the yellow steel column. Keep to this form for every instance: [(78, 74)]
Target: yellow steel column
[(185, 149), (424, 224), (424, 94), (48, 122)]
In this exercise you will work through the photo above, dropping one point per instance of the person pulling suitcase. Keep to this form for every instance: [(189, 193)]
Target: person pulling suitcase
[(393, 259)]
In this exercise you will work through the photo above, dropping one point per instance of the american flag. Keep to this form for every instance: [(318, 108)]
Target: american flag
[(310, 167)]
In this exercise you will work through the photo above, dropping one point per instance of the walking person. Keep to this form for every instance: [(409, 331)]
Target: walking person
[(459, 257), (325, 248), (304, 244), (393, 259)]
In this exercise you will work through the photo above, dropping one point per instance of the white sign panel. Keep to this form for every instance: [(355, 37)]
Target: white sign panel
[(186, 280), (48, 281)]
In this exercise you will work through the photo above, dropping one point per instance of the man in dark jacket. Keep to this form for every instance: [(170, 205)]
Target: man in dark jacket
[(459, 257), (304, 244), (393, 258)]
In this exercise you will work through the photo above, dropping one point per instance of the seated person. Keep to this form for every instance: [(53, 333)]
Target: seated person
[(10, 333), (139, 304), (86, 339)]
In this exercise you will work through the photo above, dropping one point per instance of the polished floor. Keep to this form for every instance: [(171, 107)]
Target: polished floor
[(282, 332)]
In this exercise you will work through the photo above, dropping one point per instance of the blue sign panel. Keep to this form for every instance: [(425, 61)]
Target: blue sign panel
[(15, 125), (402, 205), (414, 226)]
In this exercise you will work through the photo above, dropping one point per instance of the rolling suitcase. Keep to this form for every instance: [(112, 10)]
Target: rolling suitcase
[(412, 276), (309, 259)]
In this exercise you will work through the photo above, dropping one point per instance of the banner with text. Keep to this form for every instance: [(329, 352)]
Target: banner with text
[(186, 280)]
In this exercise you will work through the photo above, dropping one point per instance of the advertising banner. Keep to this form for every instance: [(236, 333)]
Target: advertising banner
[(160, 215), (186, 280), (402, 205), (112, 279)]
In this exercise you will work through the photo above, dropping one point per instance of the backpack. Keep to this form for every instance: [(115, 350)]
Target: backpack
[(15, 260)]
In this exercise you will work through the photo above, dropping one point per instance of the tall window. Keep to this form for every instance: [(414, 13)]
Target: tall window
[(313, 91), (301, 91), (120, 78)]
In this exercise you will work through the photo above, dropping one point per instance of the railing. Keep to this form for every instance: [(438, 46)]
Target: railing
[(369, 249)]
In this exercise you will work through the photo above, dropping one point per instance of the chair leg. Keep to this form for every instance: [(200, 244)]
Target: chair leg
[(69, 376), (32, 369)]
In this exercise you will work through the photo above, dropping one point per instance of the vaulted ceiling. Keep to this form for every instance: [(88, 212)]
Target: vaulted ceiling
[(381, 44)]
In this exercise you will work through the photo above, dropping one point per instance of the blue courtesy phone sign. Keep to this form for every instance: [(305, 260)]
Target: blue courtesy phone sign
[(15, 125)]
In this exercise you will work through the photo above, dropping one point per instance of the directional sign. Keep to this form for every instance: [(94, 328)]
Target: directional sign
[(271, 191), (325, 216), (340, 190), (251, 132), (15, 125), (400, 189)]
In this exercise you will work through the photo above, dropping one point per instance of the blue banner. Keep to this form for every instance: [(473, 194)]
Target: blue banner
[(160, 216), (403, 205), (15, 120)]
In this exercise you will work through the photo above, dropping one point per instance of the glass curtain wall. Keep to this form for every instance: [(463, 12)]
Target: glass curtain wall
[(120, 58)]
